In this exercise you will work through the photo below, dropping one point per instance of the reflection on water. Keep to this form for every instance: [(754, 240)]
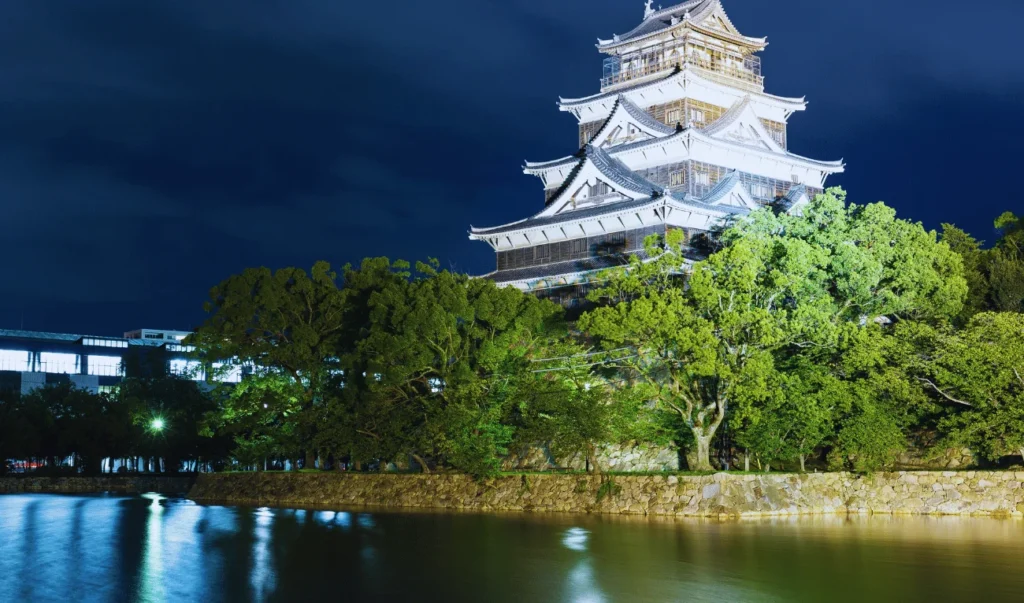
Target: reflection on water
[(153, 548)]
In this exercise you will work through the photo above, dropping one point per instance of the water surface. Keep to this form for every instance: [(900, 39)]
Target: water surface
[(151, 548)]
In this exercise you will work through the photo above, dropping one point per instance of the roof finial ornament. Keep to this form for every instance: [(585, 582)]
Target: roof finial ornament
[(648, 9)]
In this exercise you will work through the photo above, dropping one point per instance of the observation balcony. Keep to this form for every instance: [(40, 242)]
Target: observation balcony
[(723, 70)]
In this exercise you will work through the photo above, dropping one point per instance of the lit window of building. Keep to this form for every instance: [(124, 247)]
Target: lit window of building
[(60, 364), (227, 373), (105, 366), (14, 360), (105, 343), (190, 369)]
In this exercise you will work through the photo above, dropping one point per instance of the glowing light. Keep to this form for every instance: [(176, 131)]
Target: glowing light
[(190, 369), (158, 424), (59, 364), (105, 366), (14, 360), (575, 539)]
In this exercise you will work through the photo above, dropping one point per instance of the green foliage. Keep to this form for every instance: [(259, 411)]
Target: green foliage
[(797, 419), (608, 489), (979, 373), (184, 406), (975, 263), (289, 323), (841, 333), (57, 422), (995, 276), (436, 368), (576, 410), (779, 286)]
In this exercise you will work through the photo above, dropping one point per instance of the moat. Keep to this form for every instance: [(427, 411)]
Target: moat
[(157, 548)]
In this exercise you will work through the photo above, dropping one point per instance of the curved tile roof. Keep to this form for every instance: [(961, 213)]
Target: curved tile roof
[(643, 117), (658, 21), (577, 214), (619, 175), (566, 103)]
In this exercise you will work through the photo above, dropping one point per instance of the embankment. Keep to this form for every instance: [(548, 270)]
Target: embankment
[(119, 484), (720, 495)]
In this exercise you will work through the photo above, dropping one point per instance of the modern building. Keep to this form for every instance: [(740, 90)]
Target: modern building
[(681, 136), (32, 359)]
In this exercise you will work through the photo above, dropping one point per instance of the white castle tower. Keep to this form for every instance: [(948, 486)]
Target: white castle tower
[(681, 136)]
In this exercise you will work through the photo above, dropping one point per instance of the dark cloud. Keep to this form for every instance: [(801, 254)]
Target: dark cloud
[(149, 149)]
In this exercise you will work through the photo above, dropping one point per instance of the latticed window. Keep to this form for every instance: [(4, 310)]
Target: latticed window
[(777, 131), (576, 249), (704, 177), (677, 178), (588, 130), (760, 191)]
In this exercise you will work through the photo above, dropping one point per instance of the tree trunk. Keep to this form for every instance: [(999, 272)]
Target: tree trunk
[(592, 465), (699, 457), (767, 468), (310, 462), (1022, 453), (423, 464), (746, 461), (803, 467)]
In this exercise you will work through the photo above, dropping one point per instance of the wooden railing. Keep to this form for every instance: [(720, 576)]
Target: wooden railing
[(718, 68)]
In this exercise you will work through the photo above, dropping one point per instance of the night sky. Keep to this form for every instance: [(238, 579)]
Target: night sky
[(150, 149)]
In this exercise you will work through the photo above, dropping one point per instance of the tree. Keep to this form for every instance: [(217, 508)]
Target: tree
[(794, 422), (179, 407), (1006, 265), (440, 354), (978, 373), (878, 398), (572, 407), (696, 344), (288, 323), (975, 261), (780, 285)]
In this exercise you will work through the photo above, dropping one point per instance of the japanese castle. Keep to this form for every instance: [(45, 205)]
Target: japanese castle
[(681, 136)]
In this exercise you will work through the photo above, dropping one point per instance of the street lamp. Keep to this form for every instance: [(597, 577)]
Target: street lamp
[(157, 424)]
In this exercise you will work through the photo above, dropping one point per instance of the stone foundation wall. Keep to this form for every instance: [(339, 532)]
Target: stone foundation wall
[(84, 485), (639, 458), (719, 495)]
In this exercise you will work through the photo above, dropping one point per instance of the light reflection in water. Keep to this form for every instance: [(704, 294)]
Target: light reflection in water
[(108, 548), (575, 539), (581, 586), (262, 579), (366, 521), (151, 574)]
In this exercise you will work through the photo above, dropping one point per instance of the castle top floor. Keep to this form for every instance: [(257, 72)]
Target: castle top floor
[(697, 33)]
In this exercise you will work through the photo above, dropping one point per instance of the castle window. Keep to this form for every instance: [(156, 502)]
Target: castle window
[(760, 191)]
